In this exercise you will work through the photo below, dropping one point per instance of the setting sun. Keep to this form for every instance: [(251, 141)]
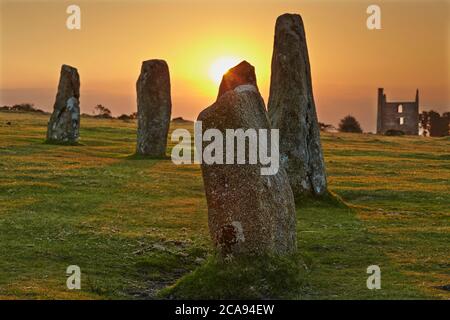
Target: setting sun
[(221, 66)]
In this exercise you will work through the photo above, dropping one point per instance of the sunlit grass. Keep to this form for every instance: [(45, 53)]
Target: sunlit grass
[(136, 226)]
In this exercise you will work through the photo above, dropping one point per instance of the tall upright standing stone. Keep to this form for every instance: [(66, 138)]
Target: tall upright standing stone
[(154, 107), (248, 213), (64, 124), (292, 109)]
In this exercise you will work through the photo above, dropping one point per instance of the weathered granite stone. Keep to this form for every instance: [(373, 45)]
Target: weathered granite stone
[(154, 108), (64, 124), (248, 213), (292, 110), (243, 73)]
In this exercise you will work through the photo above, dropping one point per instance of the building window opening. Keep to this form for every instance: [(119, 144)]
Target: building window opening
[(400, 108), (402, 120)]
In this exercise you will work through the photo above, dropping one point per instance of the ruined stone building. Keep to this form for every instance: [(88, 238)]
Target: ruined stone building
[(397, 117)]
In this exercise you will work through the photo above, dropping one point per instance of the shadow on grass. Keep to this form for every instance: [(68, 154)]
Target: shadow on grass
[(264, 277), (136, 156), (63, 143), (327, 199)]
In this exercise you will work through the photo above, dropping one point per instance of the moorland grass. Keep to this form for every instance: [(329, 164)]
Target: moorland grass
[(137, 227)]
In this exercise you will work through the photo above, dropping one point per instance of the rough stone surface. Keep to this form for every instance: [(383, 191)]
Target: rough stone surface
[(64, 124), (154, 108), (248, 213), (292, 109), (243, 73)]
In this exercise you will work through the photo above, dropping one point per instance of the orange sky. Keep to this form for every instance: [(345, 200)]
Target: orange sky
[(348, 61)]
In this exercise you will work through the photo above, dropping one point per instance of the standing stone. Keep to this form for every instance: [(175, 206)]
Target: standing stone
[(248, 213), (64, 124), (154, 108), (243, 73), (292, 110)]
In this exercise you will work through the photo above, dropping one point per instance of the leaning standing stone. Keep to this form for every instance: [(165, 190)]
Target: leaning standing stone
[(154, 108), (248, 213), (64, 124), (292, 110)]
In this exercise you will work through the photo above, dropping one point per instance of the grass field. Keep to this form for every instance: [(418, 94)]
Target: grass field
[(138, 228)]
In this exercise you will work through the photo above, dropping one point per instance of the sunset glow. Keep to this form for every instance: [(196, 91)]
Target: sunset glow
[(220, 66), (348, 61)]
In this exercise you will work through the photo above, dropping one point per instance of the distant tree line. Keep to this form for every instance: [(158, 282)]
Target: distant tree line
[(326, 127), (128, 117), (102, 112), (22, 107), (435, 125)]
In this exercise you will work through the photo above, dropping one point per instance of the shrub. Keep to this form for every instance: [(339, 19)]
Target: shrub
[(102, 112), (350, 124), (393, 132)]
